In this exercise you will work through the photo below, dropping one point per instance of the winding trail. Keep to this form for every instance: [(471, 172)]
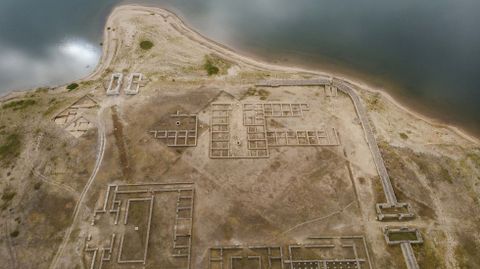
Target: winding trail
[(101, 150)]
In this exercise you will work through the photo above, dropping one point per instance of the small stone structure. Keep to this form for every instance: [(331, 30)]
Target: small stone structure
[(180, 130), (134, 83), (405, 243), (316, 252), (323, 137), (389, 231), (115, 84), (133, 86), (75, 118), (396, 211), (79, 126), (226, 139), (113, 220)]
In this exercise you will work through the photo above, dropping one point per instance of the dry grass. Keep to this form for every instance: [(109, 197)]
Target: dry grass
[(10, 148), (428, 256)]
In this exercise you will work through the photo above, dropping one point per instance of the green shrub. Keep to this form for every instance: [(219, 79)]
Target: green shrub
[(404, 136), (214, 64), (37, 185), (263, 94), (210, 67), (374, 102), (14, 233), (72, 86), (146, 45), (251, 91), (20, 104), (8, 195)]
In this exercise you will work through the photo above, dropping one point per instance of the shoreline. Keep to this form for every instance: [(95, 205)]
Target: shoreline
[(356, 78), (254, 61), (110, 45)]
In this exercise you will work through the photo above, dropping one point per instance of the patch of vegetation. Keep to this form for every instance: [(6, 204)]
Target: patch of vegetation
[(374, 102), (403, 136), (37, 185), (72, 86), (53, 106), (378, 190), (466, 253), (445, 175), (210, 67), (8, 195), (253, 92), (411, 236), (433, 168), (461, 257), (42, 90), (263, 94), (19, 104), (87, 83), (146, 44), (214, 65), (10, 148), (395, 258), (475, 157), (14, 233), (428, 256)]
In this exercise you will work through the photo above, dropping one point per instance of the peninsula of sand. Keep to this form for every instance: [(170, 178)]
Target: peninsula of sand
[(178, 152)]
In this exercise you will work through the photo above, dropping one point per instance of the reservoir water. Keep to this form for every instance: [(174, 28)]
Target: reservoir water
[(425, 53)]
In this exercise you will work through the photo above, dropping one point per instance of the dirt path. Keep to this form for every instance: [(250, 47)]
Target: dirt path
[(318, 219), (101, 150), (58, 185)]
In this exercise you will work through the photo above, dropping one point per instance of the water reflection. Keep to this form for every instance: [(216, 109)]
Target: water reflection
[(70, 59), (80, 51), (429, 50)]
